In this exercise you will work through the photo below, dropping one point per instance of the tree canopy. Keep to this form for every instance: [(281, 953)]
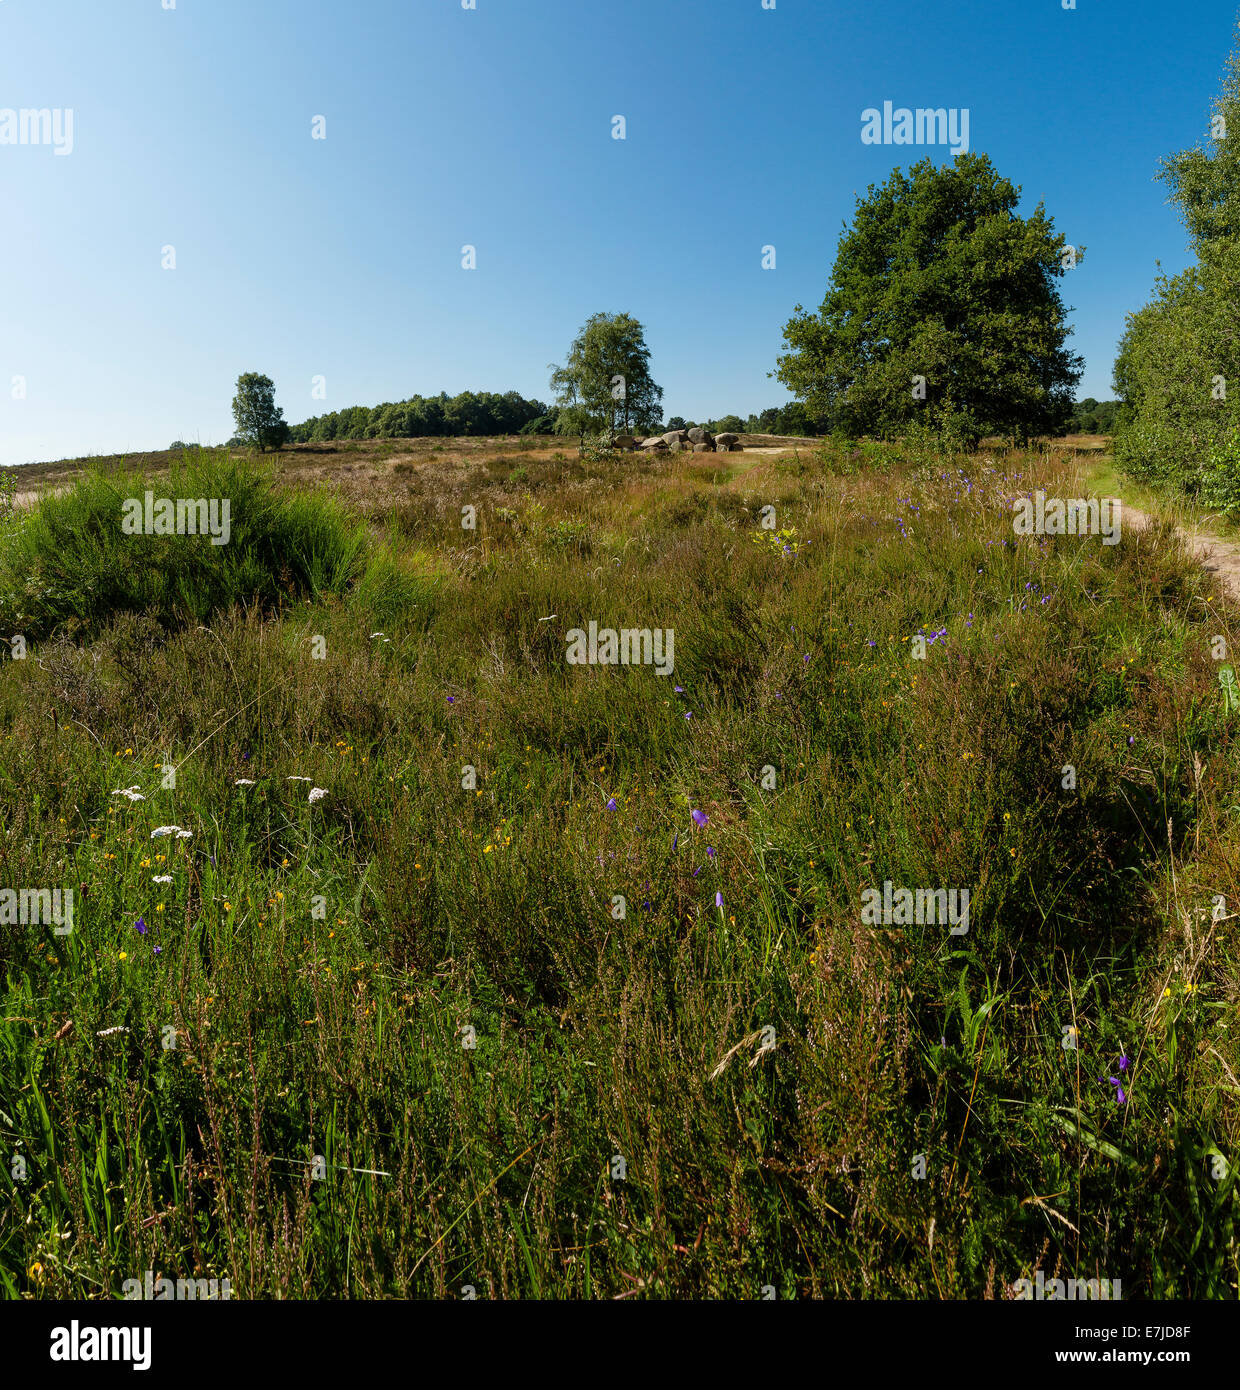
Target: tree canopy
[(606, 384), (260, 422), (1177, 371), (469, 413), (943, 313)]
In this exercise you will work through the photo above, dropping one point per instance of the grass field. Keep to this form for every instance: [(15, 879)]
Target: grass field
[(562, 987)]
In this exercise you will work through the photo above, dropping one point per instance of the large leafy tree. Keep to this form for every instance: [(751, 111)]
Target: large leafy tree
[(1205, 181), (606, 383), (943, 313), (260, 422), (1178, 367)]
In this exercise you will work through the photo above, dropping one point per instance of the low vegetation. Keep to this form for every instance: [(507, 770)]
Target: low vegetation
[(369, 1019)]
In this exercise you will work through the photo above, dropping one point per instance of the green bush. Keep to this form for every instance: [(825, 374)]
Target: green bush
[(1220, 475), (70, 567)]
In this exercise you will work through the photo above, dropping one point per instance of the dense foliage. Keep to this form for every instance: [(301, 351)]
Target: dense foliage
[(943, 314), (470, 412), (71, 567), (1178, 366), (605, 385), (790, 419), (1092, 416), (260, 422)]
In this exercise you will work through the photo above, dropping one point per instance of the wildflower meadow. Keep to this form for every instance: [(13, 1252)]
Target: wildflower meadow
[(406, 956)]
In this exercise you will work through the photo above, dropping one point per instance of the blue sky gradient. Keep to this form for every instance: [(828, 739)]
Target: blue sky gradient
[(342, 257)]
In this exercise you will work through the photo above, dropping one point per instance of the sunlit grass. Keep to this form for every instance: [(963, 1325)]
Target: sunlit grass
[(323, 967)]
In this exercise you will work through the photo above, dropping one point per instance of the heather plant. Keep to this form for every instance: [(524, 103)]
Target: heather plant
[(409, 956), (76, 562)]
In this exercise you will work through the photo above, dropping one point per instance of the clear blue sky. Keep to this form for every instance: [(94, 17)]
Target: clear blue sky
[(341, 257)]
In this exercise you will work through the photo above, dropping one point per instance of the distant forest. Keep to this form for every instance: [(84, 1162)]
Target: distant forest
[(489, 413), (471, 412), (1092, 417)]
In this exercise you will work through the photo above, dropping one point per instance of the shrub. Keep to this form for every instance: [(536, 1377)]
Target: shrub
[(71, 568)]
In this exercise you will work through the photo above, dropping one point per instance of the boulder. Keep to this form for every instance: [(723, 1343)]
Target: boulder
[(698, 435), (736, 448), (727, 438), (703, 448), (721, 448), (675, 446), (676, 436), (624, 441), (657, 442)]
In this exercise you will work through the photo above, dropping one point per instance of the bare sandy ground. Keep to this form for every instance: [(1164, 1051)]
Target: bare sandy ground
[(28, 499), (1216, 556)]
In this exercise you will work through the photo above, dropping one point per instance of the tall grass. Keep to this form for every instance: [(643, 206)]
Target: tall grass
[(322, 964), (69, 566)]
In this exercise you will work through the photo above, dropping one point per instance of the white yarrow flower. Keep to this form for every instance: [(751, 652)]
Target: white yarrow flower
[(161, 878), (317, 792), (130, 793), (185, 834), (163, 830), (299, 779), (244, 782)]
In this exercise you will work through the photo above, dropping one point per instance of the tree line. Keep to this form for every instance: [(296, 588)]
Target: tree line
[(942, 319), (1178, 367), (468, 413), (260, 423)]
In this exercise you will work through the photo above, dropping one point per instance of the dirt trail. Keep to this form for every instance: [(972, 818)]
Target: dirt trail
[(1219, 557), (28, 499)]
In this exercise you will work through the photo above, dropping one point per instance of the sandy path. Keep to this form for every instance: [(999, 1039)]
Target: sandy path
[(28, 499), (1217, 556)]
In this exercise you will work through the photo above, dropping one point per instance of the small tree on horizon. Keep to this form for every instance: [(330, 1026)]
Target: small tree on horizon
[(260, 422), (726, 423), (606, 383)]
